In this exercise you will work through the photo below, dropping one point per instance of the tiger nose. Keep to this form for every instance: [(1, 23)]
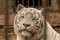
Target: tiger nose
[(26, 25)]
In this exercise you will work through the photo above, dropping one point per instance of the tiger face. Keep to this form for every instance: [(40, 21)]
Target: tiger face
[(29, 25), (28, 22)]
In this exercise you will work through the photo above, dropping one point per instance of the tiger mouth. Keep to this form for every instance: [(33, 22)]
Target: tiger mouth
[(31, 32), (27, 31)]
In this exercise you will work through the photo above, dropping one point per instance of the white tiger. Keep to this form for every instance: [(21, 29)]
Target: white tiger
[(29, 25)]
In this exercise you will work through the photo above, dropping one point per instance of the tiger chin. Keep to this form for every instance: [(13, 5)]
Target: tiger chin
[(29, 25)]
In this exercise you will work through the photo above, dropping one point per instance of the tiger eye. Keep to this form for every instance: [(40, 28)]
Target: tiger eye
[(36, 22), (18, 22), (19, 19), (37, 19), (37, 27), (22, 16), (33, 19)]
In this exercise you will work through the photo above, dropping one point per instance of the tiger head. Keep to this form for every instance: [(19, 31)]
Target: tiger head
[(28, 22)]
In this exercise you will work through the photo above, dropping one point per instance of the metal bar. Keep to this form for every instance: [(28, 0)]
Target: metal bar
[(38, 3), (41, 3), (44, 6), (33, 3), (14, 2), (47, 3), (23, 2), (7, 25), (28, 3), (17, 1), (6, 19)]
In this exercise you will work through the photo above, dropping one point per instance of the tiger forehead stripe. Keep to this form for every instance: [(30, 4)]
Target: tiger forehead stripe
[(31, 11)]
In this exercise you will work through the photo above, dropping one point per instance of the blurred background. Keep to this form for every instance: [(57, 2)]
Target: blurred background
[(7, 14)]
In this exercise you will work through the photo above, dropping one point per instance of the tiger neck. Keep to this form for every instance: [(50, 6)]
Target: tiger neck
[(23, 38), (20, 38), (28, 38)]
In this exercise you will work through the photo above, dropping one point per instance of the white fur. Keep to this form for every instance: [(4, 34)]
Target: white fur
[(51, 34)]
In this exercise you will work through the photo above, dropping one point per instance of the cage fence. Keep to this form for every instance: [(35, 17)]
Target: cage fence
[(27, 3)]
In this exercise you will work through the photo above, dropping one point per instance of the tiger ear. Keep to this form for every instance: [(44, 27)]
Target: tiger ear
[(41, 10), (19, 7)]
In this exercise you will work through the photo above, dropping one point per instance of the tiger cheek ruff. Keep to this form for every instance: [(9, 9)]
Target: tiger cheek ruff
[(29, 25)]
